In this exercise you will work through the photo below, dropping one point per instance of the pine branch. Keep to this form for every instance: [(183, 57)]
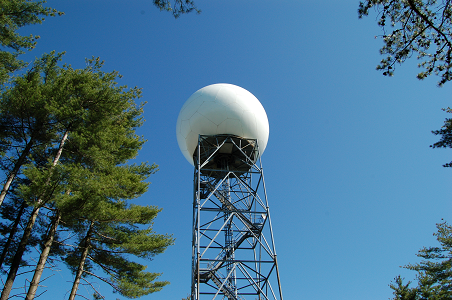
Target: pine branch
[(109, 271), (426, 19), (101, 278), (104, 236)]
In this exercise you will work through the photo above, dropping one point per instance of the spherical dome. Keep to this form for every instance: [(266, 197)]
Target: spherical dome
[(221, 109)]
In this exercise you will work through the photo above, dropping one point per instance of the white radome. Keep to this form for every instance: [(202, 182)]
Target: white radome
[(221, 109)]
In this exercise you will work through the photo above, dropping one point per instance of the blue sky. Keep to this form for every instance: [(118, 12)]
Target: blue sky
[(354, 189)]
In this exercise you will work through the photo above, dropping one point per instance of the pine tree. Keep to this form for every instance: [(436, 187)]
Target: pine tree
[(26, 124), (42, 198), (89, 187), (106, 243), (107, 226), (434, 272), (73, 106), (62, 128)]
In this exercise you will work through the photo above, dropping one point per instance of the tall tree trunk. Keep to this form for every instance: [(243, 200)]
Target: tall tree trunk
[(15, 170), (12, 232), (18, 256), (27, 232), (43, 257), (81, 265)]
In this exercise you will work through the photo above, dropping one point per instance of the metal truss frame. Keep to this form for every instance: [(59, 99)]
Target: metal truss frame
[(233, 250)]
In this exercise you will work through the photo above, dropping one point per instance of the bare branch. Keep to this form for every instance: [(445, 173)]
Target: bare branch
[(93, 286)]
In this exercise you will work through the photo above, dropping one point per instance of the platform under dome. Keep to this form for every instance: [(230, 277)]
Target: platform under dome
[(221, 109)]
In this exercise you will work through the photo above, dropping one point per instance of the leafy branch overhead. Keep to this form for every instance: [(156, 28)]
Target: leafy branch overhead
[(178, 7), (414, 28), (422, 29)]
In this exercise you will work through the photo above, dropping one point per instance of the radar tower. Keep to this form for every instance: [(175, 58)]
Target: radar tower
[(233, 250)]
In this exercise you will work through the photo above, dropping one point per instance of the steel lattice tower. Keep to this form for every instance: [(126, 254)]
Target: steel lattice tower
[(233, 249)]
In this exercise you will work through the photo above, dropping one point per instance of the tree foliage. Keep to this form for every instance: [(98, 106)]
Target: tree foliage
[(433, 273), (66, 137), (106, 243), (446, 135), (402, 291), (15, 14), (420, 28), (82, 124), (178, 7)]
